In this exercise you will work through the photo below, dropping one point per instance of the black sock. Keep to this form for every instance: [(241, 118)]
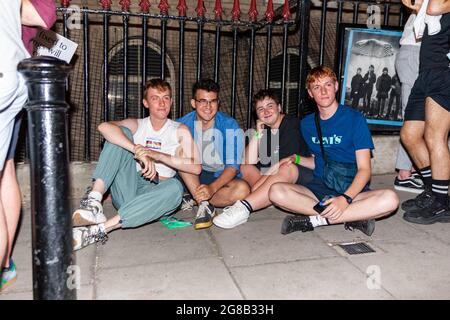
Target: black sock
[(440, 190), (247, 205), (426, 176)]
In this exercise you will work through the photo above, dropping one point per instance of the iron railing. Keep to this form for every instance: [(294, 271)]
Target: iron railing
[(124, 43)]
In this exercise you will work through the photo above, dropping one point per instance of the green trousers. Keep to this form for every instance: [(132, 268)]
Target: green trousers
[(137, 200)]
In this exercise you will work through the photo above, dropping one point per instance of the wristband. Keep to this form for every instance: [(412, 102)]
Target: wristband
[(257, 135), (298, 159)]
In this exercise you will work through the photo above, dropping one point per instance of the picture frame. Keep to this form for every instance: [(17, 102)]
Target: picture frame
[(374, 89)]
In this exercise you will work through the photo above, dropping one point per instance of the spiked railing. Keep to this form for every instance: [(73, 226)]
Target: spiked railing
[(236, 11), (144, 5)]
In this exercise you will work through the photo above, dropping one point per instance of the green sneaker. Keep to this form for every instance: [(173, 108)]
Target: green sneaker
[(9, 275)]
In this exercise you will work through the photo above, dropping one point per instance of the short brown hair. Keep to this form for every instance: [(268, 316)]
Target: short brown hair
[(319, 73), (265, 93), (158, 84)]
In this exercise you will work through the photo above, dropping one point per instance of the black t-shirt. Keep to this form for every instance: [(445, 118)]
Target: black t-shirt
[(290, 140), (434, 49)]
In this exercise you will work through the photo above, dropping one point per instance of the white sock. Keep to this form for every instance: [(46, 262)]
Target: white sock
[(95, 195), (318, 220)]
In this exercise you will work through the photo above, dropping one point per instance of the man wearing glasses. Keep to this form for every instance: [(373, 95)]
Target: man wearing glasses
[(221, 143)]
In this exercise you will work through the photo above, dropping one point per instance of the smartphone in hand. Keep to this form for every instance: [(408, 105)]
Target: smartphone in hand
[(320, 206)]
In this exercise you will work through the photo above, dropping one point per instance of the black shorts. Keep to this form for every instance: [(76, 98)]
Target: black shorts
[(433, 83), (305, 175)]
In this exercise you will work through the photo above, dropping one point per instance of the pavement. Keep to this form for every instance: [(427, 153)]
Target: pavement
[(255, 261)]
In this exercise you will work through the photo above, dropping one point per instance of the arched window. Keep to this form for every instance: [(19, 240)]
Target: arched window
[(292, 79), (116, 76)]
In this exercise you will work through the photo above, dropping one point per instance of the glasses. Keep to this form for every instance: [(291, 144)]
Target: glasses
[(205, 102)]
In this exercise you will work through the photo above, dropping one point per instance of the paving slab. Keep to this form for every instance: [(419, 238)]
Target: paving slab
[(260, 241), (415, 268), (206, 278), (329, 278), (154, 243)]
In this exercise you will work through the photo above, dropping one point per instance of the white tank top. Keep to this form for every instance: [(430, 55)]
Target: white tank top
[(164, 140)]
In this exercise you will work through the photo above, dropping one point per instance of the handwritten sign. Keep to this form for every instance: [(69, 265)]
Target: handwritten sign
[(49, 43)]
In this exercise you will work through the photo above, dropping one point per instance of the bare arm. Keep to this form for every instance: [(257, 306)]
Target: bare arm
[(438, 7), (415, 7), (112, 132), (363, 174), (227, 175), (251, 151), (337, 205), (30, 17), (186, 158)]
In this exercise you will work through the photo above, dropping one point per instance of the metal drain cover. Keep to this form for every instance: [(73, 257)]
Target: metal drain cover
[(356, 248)]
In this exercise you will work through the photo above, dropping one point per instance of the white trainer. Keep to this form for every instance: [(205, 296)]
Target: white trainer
[(84, 236), (232, 216), (90, 212)]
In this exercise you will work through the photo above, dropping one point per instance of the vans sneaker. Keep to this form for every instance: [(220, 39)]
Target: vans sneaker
[(410, 184)]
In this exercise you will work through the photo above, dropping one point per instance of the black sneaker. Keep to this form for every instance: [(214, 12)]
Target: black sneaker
[(296, 223), (187, 202), (410, 184), (432, 213), (205, 215), (419, 202), (365, 226)]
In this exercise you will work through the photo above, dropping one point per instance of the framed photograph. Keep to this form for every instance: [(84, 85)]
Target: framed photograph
[(368, 79)]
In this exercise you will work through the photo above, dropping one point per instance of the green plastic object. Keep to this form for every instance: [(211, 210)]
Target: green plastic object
[(173, 223)]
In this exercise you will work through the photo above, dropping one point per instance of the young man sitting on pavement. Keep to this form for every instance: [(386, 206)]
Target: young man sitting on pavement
[(277, 137), (346, 138), (221, 143), (141, 192)]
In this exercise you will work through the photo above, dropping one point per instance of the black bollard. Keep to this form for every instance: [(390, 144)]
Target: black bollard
[(49, 168)]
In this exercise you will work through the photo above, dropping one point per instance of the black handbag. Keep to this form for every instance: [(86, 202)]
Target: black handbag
[(337, 175)]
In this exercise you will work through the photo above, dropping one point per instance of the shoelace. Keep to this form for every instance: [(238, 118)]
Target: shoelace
[(96, 236), (203, 207), (85, 204), (187, 204)]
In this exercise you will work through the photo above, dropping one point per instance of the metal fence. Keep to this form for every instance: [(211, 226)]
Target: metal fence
[(124, 43)]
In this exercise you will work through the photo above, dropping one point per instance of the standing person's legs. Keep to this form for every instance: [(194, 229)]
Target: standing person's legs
[(9, 189), (407, 67), (13, 95)]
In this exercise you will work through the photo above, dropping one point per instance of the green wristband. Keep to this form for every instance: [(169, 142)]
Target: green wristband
[(258, 135), (298, 159)]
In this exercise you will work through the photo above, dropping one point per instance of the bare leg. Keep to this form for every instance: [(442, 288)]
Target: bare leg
[(437, 127), (250, 174), (192, 181), (366, 205), (3, 231), (113, 223), (11, 198), (412, 135), (235, 190), (404, 174), (259, 198)]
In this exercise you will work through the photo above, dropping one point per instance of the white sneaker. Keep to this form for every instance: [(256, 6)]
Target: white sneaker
[(232, 216), (90, 212), (84, 236)]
